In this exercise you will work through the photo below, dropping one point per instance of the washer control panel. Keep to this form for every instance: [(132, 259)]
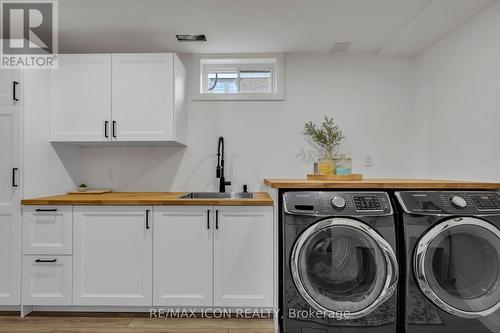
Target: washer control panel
[(444, 202), (330, 203), (367, 203)]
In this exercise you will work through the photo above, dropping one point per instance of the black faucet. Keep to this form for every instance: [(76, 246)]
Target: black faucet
[(220, 166)]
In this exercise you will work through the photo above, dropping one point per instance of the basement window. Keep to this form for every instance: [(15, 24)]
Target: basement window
[(243, 77)]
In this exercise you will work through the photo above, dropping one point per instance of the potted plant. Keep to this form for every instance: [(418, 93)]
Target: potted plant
[(82, 187), (327, 138)]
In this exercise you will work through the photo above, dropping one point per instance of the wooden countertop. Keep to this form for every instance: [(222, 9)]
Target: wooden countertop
[(146, 199), (388, 183)]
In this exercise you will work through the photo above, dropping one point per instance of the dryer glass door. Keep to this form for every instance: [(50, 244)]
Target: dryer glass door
[(342, 266), (457, 266)]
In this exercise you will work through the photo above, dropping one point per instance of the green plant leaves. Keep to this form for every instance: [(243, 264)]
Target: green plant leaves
[(328, 136)]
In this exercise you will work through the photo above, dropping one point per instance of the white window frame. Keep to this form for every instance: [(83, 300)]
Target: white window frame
[(268, 61)]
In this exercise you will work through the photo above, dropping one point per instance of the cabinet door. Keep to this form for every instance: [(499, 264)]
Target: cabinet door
[(243, 257), (10, 87), (10, 208), (80, 98), (47, 280), (183, 256), (112, 255), (47, 230), (143, 97)]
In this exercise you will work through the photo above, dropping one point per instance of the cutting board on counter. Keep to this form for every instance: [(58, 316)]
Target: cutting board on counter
[(91, 192), (351, 177)]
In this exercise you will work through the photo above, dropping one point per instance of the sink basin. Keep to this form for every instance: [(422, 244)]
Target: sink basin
[(217, 195)]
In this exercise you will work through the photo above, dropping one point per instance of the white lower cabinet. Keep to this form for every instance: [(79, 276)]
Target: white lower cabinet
[(112, 255), (213, 256), (186, 256), (47, 280), (243, 257), (183, 256), (47, 230)]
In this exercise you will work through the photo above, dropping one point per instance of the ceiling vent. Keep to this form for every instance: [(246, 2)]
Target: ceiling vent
[(340, 47), (191, 38)]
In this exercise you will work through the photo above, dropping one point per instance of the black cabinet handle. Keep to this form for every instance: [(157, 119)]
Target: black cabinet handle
[(217, 219), (106, 126), (14, 94), (46, 260), (14, 172), (147, 219), (46, 210), (208, 219), (114, 129)]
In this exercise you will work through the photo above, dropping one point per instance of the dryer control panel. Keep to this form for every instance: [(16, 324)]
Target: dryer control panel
[(450, 202), (330, 203)]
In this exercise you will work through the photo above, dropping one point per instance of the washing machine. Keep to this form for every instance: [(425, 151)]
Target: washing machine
[(339, 268), (452, 245)]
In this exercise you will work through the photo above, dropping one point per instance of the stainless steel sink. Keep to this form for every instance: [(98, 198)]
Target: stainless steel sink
[(217, 195)]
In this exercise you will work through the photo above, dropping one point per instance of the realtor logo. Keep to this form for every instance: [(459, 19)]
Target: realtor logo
[(29, 34)]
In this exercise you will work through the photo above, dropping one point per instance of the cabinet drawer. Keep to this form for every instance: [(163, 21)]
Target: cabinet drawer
[(47, 229), (47, 280)]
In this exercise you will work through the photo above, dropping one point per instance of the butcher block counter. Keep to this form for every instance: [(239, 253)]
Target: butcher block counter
[(382, 183), (146, 199)]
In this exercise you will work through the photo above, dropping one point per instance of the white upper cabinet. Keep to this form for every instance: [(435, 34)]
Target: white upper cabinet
[(112, 255), (243, 256), (143, 97), (119, 98), (80, 98)]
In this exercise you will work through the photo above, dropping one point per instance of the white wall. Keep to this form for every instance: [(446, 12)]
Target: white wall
[(435, 116), (457, 103), (370, 97), (47, 169)]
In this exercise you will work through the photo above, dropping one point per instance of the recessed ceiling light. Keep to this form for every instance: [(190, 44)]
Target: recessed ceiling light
[(340, 47), (191, 38)]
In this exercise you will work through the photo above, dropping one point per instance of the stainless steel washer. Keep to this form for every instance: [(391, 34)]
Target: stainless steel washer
[(340, 270), (452, 244)]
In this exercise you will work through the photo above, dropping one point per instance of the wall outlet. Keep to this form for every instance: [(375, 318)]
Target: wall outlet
[(368, 161), (111, 173)]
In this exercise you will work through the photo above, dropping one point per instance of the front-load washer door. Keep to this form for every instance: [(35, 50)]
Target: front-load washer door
[(343, 267), (457, 266)]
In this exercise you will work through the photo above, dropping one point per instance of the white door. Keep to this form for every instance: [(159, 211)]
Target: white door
[(80, 98), (112, 255), (183, 256), (143, 99), (10, 208), (243, 256)]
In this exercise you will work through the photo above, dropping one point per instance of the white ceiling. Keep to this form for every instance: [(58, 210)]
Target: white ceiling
[(390, 27)]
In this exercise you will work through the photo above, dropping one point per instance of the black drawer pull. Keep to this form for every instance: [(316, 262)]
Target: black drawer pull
[(46, 210), (106, 126), (114, 129), (14, 94), (46, 260), (147, 219), (217, 219), (208, 219), (14, 172)]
